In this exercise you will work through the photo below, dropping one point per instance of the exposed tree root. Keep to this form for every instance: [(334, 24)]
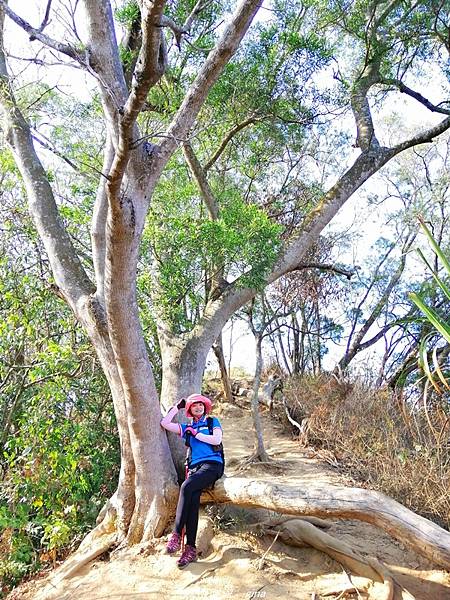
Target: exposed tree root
[(310, 502), (325, 500), (298, 532), (256, 459)]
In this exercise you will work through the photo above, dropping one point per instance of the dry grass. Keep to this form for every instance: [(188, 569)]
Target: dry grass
[(385, 442)]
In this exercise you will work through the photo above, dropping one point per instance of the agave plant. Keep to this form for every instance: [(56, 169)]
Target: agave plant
[(441, 325)]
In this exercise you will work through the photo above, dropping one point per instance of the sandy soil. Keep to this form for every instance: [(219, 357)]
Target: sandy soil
[(234, 563)]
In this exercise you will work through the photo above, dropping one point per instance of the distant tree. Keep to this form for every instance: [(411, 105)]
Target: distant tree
[(376, 301)]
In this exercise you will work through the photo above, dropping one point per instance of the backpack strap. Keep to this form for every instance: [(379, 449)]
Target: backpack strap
[(187, 443), (219, 447)]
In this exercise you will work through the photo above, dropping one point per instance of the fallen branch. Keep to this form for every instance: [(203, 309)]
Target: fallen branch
[(325, 500), (290, 419)]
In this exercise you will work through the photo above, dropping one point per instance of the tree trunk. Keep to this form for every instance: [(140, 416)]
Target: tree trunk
[(317, 338), (279, 337), (218, 351), (130, 181), (145, 497), (298, 349), (260, 451)]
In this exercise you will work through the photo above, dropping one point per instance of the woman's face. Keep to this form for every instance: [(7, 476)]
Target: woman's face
[(197, 409)]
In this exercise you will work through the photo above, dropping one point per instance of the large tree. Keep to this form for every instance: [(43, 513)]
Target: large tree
[(108, 309), (387, 39)]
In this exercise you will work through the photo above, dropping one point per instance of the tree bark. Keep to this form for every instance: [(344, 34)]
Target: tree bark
[(218, 351), (260, 451)]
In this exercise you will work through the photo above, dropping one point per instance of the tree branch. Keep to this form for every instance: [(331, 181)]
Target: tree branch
[(207, 76), (131, 43), (178, 31), (230, 135), (60, 155), (36, 34), (373, 340), (67, 268), (104, 60), (200, 177), (324, 267), (46, 16), (199, 6), (404, 89), (150, 66), (185, 29), (98, 224), (365, 138), (422, 138), (356, 346)]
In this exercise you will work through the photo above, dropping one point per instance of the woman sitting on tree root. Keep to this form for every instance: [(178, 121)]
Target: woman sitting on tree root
[(205, 466)]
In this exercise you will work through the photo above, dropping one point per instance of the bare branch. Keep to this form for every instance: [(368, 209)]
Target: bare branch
[(356, 346), (36, 34), (184, 29), (324, 267), (200, 5), (422, 138), (48, 146), (404, 89), (378, 336), (46, 17), (55, 152), (227, 139), (178, 32)]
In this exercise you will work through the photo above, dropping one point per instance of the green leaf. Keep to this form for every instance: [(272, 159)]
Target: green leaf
[(432, 316), (435, 246), (423, 361), (436, 277)]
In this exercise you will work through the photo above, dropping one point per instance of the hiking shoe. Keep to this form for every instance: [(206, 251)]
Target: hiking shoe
[(174, 544), (189, 555)]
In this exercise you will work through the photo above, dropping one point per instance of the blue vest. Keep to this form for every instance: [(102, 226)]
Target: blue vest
[(202, 451)]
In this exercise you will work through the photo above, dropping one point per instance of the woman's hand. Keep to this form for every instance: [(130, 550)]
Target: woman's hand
[(181, 403), (190, 430)]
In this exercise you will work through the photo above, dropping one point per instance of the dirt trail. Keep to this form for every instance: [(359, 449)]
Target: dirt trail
[(238, 565)]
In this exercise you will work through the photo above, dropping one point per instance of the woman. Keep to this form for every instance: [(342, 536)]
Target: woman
[(205, 467)]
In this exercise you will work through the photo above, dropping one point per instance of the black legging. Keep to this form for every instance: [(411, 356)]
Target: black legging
[(189, 499)]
